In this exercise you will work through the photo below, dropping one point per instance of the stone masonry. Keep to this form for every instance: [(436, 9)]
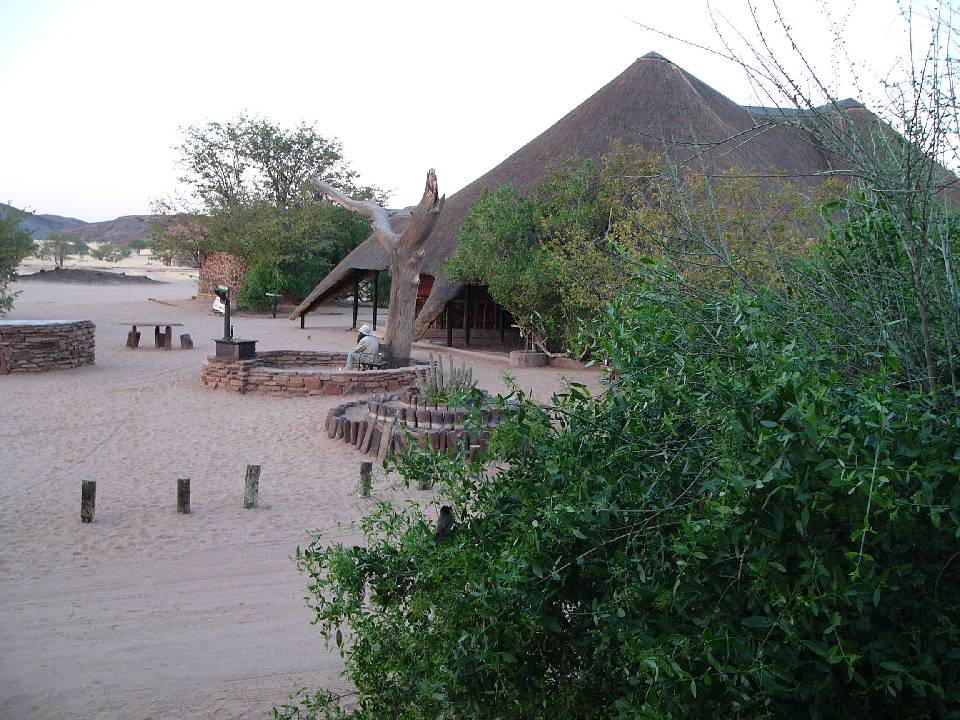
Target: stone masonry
[(32, 346), (299, 373), (220, 268)]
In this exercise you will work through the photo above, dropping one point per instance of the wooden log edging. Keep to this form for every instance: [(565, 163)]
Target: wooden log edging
[(300, 373), (396, 421)]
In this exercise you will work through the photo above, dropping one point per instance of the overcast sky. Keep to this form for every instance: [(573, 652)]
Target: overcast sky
[(95, 91)]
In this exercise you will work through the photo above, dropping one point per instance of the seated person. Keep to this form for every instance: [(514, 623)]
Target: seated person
[(368, 345)]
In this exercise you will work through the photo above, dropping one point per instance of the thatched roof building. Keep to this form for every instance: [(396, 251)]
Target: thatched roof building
[(652, 103)]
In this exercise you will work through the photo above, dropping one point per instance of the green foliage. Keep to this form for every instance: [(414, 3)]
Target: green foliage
[(15, 245), (109, 252), (742, 525), (548, 259), (251, 199), (254, 160), (79, 248), (865, 275), (289, 249), (56, 247)]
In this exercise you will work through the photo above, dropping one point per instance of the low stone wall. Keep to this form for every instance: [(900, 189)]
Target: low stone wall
[(31, 346), (300, 373)]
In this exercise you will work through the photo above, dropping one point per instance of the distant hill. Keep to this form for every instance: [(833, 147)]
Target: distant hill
[(119, 231), (42, 225)]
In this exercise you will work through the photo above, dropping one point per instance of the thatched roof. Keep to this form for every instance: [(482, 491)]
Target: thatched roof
[(652, 103)]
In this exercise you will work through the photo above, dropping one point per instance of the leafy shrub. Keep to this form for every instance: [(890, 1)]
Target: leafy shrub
[(15, 245), (739, 526)]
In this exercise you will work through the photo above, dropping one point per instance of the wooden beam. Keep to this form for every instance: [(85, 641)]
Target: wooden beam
[(450, 324), (376, 296), (467, 315), (356, 297)]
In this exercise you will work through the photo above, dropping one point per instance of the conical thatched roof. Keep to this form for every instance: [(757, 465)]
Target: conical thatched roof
[(652, 103)]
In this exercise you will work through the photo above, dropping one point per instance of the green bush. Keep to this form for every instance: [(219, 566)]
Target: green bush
[(15, 245), (740, 526)]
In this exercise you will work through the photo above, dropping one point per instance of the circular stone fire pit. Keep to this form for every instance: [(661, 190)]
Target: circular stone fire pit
[(300, 373), (388, 422), (33, 346)]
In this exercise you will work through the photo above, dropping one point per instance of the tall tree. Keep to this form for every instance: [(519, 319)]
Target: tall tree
[(255, 160), (406, 256)]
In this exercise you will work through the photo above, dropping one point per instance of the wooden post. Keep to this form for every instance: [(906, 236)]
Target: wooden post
[(157, 338), (376, 296), (88, 500), (356, 297), (450, 324), (183, 496), (303, 318), (467, 315), (133, 338), (366, 479), (251, 486)]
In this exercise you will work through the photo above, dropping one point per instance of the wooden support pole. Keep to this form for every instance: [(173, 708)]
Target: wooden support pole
[(356, 298), (88, 500), (467, 315), (449, 324), (303, 319), (376, 296), (366, 479), (251, 486), (183, 496)]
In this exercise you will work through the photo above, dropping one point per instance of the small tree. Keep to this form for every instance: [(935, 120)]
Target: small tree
[(79, 248), (110, 253), (56, 247), (15, 245)]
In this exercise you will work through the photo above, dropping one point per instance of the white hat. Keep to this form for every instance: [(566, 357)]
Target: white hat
[(364, 329)]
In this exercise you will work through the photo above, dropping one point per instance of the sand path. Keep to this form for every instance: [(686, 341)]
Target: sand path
[(145, 613)]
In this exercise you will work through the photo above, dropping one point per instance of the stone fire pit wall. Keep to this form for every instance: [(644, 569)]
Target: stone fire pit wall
[(299, 373), (33, 346)]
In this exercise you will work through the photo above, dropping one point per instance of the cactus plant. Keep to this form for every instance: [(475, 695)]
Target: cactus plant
[(439, 385)]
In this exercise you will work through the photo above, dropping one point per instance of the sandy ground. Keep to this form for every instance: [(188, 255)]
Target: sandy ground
[(146, 613)]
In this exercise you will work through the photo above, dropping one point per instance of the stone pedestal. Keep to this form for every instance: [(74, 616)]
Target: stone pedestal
[(236, 349)]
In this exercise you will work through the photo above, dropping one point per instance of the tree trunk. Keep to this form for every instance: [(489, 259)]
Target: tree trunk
[(406, 256), (404, 282)]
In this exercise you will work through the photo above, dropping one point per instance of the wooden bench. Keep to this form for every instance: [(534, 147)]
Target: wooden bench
[(371, 361), (162, 340)]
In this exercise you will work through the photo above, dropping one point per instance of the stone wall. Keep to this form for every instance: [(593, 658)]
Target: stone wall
[(31, 346), (299, 373), (221, 268)]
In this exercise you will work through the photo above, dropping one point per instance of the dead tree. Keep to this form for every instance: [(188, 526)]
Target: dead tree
[(406, 256)]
